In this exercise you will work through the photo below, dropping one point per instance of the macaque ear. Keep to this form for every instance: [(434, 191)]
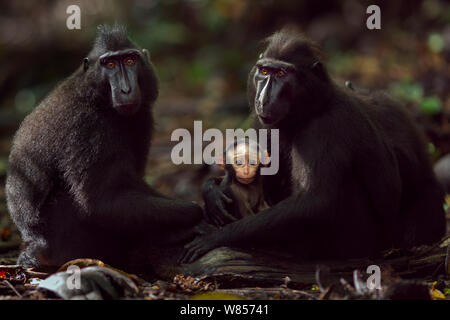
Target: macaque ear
[(266, 159), (146, 54), (220, 161), (319, 69), (85, 63)]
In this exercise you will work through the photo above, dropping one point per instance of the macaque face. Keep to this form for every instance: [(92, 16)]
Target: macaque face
[(245, 164)]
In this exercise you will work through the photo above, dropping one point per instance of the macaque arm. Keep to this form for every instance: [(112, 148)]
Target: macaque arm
[(215, 200), (123, 201)]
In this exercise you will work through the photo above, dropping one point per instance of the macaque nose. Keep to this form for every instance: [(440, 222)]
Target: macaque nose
[(246, 170), (264, 94), (126, 88)]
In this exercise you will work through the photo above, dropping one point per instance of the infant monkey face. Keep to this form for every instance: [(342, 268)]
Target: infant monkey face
[(245, 167)]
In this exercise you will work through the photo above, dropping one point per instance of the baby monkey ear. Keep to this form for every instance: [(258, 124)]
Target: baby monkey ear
[(220, 161), (265, 159)]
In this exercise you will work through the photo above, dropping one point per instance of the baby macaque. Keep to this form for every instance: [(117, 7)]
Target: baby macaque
[(242, 181)]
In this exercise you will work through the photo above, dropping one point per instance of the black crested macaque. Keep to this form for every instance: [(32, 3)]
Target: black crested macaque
[(242, 183), (75, 185), (354, 175)]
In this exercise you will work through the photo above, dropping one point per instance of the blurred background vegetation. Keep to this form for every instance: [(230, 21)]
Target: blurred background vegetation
[(203, 51)]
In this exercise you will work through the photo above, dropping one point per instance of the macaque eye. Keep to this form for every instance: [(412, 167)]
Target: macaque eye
[(130, 61), (281, 73), (110, 64), (239, 162), (264, 71), (253, 163)]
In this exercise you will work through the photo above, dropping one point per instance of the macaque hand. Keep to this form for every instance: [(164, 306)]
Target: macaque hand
[(198, 247), (215, 211), (204, 228)]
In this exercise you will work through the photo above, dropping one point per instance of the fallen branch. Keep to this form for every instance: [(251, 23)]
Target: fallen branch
[(236, 269)]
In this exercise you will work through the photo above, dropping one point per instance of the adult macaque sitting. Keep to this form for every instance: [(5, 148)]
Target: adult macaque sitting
[(75, 185), (353, 166)]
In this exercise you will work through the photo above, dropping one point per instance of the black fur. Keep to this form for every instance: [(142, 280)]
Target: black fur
[(74, 185), (354, 175)]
